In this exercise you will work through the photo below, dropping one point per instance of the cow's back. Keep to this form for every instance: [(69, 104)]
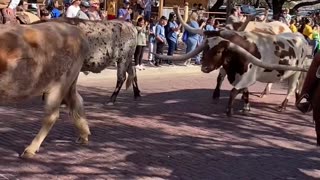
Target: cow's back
[(272, 28), (33, 57), (285, 48), (109, 42)]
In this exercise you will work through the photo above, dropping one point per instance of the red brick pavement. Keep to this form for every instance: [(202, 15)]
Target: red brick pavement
[(174, 131)]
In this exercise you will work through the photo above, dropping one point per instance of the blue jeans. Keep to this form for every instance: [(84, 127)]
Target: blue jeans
[(147, 15), (191, 45), (171, 46), (315, 44)]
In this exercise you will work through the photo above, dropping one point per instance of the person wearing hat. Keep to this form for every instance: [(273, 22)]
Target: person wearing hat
[(125, 12), (7, 11), (84, 8), (74, 9)]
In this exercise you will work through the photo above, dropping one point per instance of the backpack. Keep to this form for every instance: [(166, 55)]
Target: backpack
[(185, 36)]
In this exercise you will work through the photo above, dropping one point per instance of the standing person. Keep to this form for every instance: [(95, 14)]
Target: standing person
[(84, 8), (287, 16), (172, 34), (152, 40), (210, 26), (74, 9), (141, 43), (44, 14), (144, 8), (293, 26), (194, 7), (201, 11), (125, 12), (315, 39), (160, 38), (307, 31), (93, 13), (193, 39), (53, 8), (8, 11), (235, 19)]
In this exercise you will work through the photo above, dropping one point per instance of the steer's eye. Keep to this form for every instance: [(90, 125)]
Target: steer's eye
[(219, 51)]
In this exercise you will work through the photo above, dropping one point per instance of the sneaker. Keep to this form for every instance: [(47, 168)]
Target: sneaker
[(137, 67), (142, 67), (187, 62)]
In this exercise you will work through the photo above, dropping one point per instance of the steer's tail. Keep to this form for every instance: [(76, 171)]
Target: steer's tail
[(132, 75)]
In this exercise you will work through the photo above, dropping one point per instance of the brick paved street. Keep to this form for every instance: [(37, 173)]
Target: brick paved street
[(175, 131)]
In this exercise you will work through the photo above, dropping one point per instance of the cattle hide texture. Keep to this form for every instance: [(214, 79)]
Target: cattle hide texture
[(44, 58)]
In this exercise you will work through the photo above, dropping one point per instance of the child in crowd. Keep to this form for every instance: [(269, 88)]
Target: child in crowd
[(141, 43), (152, 40), (160, 38), (293, 26)]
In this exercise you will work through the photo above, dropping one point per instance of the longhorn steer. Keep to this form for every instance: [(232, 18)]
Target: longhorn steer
[(110, 42), (249, 57), (311, 92), (44, 58), (272, 28)]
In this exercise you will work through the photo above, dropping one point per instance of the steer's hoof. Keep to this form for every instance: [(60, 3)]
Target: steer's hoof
[(110, 103), (137, 97), (229, 112), (215, 96), (27, 155), (262, 95), (83, 141), (280, 109)]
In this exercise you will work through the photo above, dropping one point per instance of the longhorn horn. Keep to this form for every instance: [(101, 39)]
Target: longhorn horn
[(185, 56), (213, 41), (184, 24)]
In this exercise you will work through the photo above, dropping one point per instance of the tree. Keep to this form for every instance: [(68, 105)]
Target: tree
[(277, 8)]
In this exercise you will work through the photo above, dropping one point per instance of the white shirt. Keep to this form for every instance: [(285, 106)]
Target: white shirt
[(72, 11)]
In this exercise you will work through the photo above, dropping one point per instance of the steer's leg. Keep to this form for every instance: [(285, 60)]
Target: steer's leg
[(53, 101), (266, 90), (245, 98), (292, 85), (132, 72), (221, 76), (233, 94), (316, 118), (75, 104), (121, 77)]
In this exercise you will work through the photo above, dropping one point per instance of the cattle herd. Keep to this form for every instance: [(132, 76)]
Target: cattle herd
[(46, 57)]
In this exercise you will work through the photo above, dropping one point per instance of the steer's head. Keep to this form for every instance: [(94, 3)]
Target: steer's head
[(214, 56)]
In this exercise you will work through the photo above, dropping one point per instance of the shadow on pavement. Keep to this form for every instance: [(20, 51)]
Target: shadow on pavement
[(169, 135)]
